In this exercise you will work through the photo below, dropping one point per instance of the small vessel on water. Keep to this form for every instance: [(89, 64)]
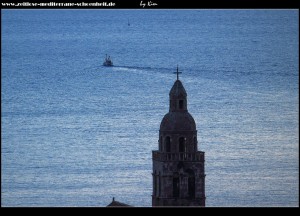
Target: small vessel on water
[(108, 62)]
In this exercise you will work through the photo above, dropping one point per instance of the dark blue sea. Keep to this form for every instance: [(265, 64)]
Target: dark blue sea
[(75, 133)]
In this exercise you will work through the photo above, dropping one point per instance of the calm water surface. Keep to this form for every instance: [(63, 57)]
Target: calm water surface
[(75, 133)]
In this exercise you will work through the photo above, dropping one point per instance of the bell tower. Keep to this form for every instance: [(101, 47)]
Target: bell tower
[(178, 166)]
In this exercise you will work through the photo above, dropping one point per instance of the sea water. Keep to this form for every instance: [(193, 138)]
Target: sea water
[(75, 133)]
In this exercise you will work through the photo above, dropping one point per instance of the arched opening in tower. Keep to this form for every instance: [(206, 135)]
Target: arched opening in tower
[(176, 187), (168, 144), (191, 183), (182, 147)]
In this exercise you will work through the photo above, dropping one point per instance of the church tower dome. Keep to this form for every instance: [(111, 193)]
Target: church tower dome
[(178, 118), (178, 166), (177, 121)]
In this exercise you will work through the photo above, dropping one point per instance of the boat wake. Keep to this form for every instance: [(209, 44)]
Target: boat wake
[(135, 68)]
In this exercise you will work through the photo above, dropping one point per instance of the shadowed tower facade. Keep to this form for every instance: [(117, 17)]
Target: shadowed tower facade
[(178, 166)]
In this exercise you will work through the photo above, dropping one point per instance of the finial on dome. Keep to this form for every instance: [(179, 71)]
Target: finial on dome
[(177, 72)]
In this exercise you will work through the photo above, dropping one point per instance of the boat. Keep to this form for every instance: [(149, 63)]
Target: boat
[(108, 62)]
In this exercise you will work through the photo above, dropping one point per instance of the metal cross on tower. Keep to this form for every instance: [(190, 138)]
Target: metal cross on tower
[(177, 72)]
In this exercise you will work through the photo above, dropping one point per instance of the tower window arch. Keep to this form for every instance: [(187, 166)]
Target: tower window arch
[(191, 184), (195, 143), (168, 144), (182, 146), (180, 104), (176, 187)]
